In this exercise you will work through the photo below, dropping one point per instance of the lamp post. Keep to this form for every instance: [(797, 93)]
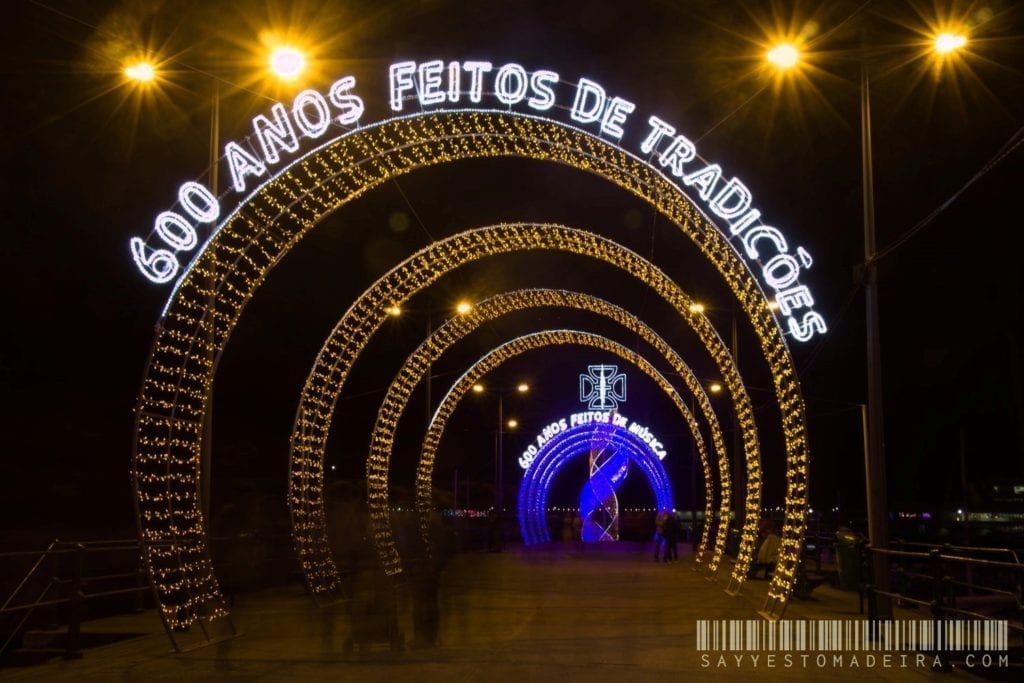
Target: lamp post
[(287, 64), (499, 440), (786, 56)]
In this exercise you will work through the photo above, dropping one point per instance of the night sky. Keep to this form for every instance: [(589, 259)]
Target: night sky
[(88, 162)]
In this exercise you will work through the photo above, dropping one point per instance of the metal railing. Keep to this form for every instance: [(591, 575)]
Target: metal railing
[(946, 581), (69, 583)]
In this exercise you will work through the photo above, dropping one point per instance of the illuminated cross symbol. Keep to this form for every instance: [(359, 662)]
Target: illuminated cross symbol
[(603, 387)]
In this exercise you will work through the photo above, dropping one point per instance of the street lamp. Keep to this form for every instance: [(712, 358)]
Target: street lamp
[(944, 44), (499, 446), (287, 64)]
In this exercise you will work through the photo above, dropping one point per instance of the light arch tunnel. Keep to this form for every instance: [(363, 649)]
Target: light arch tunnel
[(431, 349), (573, 443), (207, 301), (325, 381)]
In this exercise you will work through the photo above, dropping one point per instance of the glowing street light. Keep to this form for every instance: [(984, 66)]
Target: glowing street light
[(478, 388), (715, 387), (513, 423), (287, 63), (696, 307), (463, 307), (783, 56), (140, 71), (948, 42), (523, 388), (394, 311)]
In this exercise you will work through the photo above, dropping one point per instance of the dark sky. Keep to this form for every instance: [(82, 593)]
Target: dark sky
[(87, 163)]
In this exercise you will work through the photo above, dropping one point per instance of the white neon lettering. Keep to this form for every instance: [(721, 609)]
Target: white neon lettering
[(589, 102), (736, 192), (658, 129), (680, 151), (508, 74), (792, 299), (745, 222), (704, 180), (805, 258), (176, 231), (760, 232), (198, 202), (540, 83), (275, 135), (351, 106), (615, 116), (242, 164), (811, 324), (476, 78), (454, 81), (790, 269), (430, 82), (400, 79), (157, 265), (318, 126)]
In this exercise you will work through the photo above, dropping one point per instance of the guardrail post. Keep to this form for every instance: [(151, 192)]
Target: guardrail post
[(74, 637), (938, 606)]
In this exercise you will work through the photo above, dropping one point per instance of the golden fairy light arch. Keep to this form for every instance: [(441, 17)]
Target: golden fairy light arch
[(508, 302), (341, 348), (209, 297)]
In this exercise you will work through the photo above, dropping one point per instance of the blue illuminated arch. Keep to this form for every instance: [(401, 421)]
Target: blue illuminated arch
[(570, 444)]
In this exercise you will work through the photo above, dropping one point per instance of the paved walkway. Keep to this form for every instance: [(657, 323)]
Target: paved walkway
[(523, 615)]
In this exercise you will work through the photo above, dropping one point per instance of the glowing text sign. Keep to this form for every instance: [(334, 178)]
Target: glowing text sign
[(576, 419), (278, 136)]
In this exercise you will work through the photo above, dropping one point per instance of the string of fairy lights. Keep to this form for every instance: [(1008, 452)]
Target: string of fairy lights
[(335, 358), (207, 302), (536, 298)]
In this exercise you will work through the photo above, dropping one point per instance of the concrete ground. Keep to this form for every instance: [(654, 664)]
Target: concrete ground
[(548, 614)]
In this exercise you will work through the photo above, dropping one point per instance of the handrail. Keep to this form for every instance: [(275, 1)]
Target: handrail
[(982, 549), (42, 556)]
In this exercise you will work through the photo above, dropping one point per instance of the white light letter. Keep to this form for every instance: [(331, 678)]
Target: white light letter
[(734, 191), (792, 299), (704, 180), (242, 164), (276, 134), (617, 112), (541, 82), (430, 82), (158, 265), (743, 223), (763, 231), (678, 153), (198, 202), (589, 101), (400, 80), (790, 269), (454, 81), (476, 78), (811, 324), (506, 94), (658, 129), (176, 231), (311, 128), (351, 106)]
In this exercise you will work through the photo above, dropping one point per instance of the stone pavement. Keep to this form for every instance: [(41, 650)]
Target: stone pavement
[(548, 614)]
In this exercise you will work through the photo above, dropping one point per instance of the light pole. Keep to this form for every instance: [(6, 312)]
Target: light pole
[(499, 440), (785, 56), (286, 63)]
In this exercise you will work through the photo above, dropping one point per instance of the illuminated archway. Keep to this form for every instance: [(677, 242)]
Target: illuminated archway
[(570, 444), (339, 351), (206, 303), (533, 298)]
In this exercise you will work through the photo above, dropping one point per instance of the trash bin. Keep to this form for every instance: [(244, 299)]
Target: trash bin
[(848, 560)]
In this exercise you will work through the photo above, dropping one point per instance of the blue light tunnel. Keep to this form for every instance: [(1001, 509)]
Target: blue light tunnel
[(570, 444)]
